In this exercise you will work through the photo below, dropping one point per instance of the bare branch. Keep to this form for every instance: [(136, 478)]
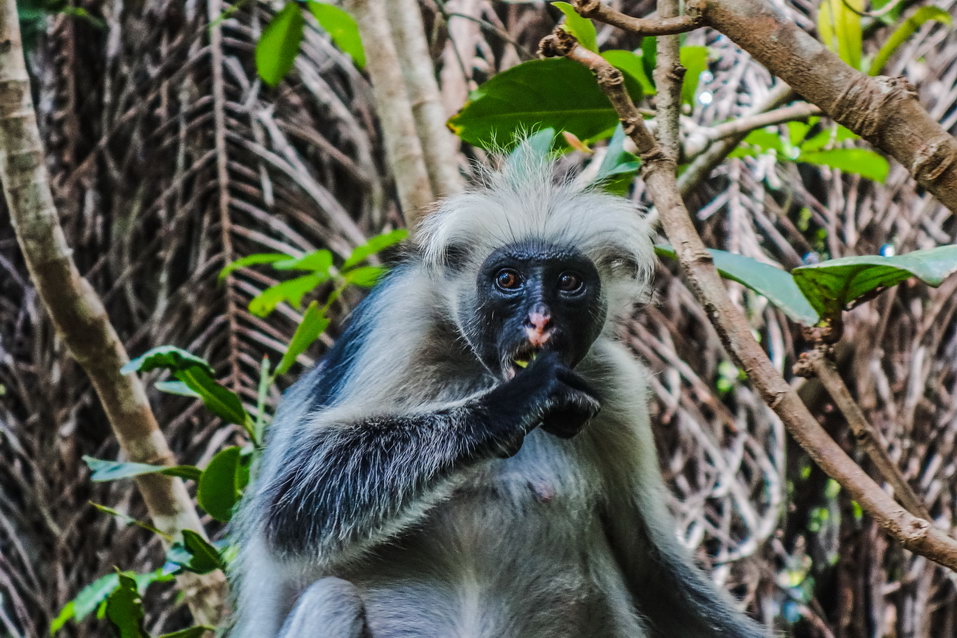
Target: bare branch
[(658, 172), (664, 25), (703, 137), (78, 313), (818, 363)]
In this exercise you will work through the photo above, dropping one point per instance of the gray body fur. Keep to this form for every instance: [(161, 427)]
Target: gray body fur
[(418, 538)]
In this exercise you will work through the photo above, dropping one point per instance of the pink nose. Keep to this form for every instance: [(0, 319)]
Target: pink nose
[(537, 325)]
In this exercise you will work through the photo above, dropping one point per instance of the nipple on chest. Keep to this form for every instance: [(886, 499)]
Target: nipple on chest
[(543, 491)]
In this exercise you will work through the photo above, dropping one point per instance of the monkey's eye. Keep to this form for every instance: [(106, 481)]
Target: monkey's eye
[(569, 282), (507, 279)]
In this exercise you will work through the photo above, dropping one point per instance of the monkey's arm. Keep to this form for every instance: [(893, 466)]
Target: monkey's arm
[(350, 480)]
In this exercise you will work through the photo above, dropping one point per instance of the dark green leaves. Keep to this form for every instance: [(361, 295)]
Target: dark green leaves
[(555, 93), (810, 293), (775, 284), (836, 284), (222, 482), (195, 554), (197, 375), (124, 608), (313, 324), (114, 470), (279, 44)]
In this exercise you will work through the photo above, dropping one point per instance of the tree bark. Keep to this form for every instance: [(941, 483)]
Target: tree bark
[(78, 314)]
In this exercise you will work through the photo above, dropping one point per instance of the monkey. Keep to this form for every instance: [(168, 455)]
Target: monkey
[(474, 455)]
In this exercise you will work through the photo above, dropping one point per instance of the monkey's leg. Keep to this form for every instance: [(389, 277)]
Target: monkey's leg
[(328, 608)]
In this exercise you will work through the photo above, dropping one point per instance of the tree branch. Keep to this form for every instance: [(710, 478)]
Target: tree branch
[(819, 363), (663, 25), (882, 110), (658, 172), (403, 149), (703, 137), (79, 316)]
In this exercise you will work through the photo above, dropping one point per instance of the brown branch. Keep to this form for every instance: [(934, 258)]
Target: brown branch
[(668, 76), (78, 314), (663, 25), (702, 138), (704, 163), (882, 110), (658, 171), (818, 363), (403, 149)]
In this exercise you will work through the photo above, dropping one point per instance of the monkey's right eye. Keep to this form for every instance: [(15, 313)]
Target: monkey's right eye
[(507, 279)]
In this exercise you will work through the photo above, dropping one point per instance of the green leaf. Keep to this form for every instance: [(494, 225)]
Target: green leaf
[(618, 167), (114, 470), (313, 324), (649, 57), (168, 358), (218, 399), (193, 632), (175, 387), (556, 93), (319, 261), (861, 161), (905, 30), (837, 284), (291, 291), (94, 594), (582, 28), (777, 285), (839, 26), (195, 554), (374, 246), (341, 27), (365, 276), (124, 607), (632, 66), (695, 60), (218, 490), (252, 260), (279, 44)]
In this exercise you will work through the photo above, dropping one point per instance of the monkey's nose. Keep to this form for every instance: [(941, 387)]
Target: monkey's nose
[(537, 325)]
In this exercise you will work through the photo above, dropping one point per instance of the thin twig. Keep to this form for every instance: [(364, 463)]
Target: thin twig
[(703, 137), (819, 363), (658, 171), (663, 25)]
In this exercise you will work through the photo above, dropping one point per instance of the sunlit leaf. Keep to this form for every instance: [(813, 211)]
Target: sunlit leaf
[(632, 66), (582, 28), (291, 291), (313, 324), (861, 161), (168, 358), (618, 167), (905, 30), (341, 27), (839, 25), (695, 60), (279, 44), (318, 261), (252, 260), (365, 276), (374, 246), (124, 608)]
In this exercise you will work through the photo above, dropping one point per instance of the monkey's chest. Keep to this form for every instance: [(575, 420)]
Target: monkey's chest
[(518, 549)]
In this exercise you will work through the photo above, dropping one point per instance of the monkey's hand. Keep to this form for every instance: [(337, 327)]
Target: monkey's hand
[(550, 394)]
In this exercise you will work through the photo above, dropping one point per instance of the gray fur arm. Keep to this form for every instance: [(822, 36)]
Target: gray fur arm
[(351, 481)]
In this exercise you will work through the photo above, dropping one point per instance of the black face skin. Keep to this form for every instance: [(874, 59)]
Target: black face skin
[(534, 297)]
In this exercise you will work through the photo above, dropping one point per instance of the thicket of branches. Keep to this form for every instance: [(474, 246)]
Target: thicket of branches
[(169, 159)]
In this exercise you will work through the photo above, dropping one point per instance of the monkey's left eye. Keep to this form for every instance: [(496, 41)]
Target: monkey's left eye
[(569, 282), (507, 279)]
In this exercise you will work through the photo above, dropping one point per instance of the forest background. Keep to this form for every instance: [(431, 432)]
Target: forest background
[(178, 141)]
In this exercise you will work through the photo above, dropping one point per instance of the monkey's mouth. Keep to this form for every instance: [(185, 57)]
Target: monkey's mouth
[(519, 360)]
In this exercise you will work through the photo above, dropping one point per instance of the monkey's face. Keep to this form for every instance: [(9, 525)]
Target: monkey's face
[(532, 297)]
